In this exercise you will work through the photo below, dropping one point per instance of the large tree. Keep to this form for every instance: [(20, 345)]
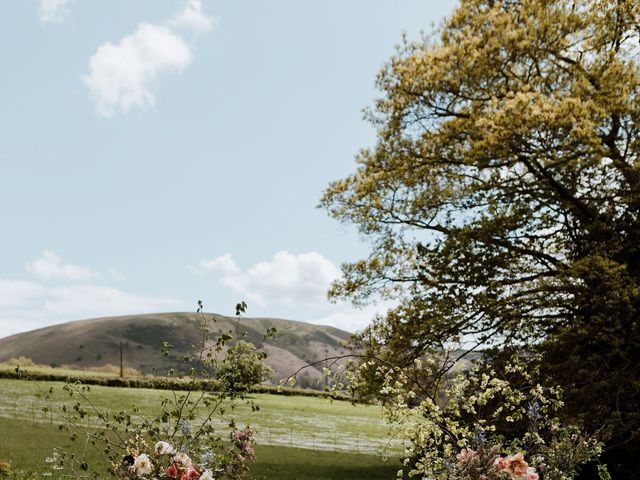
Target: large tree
[(502, 198)]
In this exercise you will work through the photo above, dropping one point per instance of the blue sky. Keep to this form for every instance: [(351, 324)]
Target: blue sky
[(156, 152)]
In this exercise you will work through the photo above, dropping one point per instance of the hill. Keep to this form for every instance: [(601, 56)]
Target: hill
[(96, 342)]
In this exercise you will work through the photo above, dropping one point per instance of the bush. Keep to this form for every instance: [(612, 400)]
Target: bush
[(110, 368), (21, 361), (5, 469)]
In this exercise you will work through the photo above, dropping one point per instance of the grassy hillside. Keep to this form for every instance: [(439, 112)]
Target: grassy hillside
[(96, 342)]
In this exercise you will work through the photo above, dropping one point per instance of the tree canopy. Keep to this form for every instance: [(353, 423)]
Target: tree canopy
[(502, 198)]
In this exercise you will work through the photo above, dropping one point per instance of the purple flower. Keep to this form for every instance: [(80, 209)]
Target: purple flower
[(533, 411)]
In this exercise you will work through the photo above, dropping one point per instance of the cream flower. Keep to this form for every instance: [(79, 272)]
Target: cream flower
[(207, 475), (163, 448), (142, 465), (182, 458)]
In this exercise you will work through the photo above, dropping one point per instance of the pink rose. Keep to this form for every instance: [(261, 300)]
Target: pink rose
[(501, 463), (464, 456), (517, 466), (531, 474), (172, 472)]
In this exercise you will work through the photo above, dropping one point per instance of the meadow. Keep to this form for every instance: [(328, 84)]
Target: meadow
[(29, 457), (298, 437)]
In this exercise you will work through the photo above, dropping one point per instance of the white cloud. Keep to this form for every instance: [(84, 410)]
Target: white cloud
[(50, 266), (193, 18), (53, 11), (117, 275), (17, 293), (97, 300), (223, 265), (121, 76), (27, 304), (352, 319), (287, 279), (293, 286)]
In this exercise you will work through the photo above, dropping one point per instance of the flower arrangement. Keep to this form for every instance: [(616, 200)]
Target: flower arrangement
[(478, 464), (166, 462)]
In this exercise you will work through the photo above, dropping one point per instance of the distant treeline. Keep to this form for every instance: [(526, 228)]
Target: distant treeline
[(158, 383)]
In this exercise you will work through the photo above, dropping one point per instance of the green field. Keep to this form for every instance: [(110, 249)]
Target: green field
[(304, 422), (327, 439), (27, 444)]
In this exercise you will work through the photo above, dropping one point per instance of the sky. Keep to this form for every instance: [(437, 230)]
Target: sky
[(157, 152)]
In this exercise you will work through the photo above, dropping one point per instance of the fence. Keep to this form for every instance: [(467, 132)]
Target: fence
[(338, 441)]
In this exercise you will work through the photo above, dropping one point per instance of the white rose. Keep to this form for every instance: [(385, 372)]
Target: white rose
[(163, 448), (207, 475), (142, 465)]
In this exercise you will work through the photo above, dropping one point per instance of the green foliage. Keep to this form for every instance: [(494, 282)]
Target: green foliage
[(502, 198), (460, 435), (244, 367), (603, 473)]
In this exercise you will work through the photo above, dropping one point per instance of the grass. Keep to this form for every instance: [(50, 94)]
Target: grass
[(304, 422), (282, 462), (45, 373), (285, 463), (274, 462)]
